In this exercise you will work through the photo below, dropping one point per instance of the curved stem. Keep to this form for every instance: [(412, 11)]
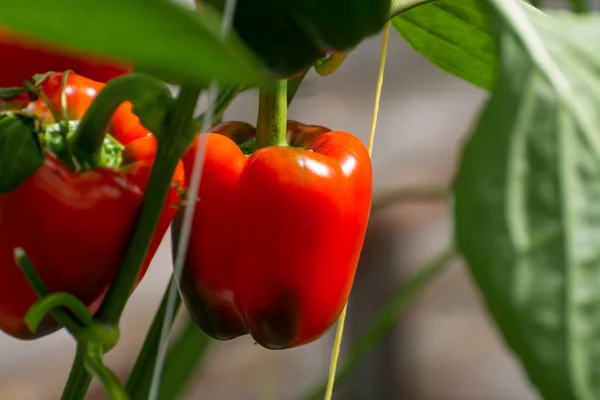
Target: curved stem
[(92, 356), (150, 98), (59, 314), (399, 6), (385, 319), (50, 302), (271, 127)]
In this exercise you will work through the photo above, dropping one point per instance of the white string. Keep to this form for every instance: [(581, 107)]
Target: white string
[(186, 226)]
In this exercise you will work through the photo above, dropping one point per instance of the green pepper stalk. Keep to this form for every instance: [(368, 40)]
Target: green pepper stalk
[(271, 127)]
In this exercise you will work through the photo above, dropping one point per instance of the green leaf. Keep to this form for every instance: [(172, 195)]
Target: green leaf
[(11, 92), (184, 360), (454, 35), (527, 200), (140, 378), (20, 152), (160, 36)]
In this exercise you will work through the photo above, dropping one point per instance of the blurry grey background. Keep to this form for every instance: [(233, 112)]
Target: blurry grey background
[(445, 347)]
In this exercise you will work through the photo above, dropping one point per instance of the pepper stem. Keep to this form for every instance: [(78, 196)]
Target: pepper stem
[(271, 127), (150, 98)]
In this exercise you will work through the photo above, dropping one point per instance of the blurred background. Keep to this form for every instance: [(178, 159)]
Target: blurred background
[(444, 348)]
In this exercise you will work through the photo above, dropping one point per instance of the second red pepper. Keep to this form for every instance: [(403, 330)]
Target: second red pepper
[(276, 236)]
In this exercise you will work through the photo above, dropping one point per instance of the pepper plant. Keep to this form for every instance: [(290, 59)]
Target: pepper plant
[(98, 158)]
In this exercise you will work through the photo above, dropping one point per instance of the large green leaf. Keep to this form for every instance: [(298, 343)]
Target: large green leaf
[(455, 36), (160, 36), (580, 27), (527, 200)]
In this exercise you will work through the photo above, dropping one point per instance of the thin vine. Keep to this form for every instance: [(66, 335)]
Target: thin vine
[(340, 324)]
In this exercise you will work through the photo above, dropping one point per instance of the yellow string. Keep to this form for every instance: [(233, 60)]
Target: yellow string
[(340, 325), (267, 371)]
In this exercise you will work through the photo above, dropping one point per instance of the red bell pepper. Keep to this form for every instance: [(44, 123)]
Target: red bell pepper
[(276, 236), (75, 226), (29, 57)]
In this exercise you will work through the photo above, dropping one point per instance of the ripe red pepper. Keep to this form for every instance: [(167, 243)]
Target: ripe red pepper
[(276, 236), (29, 57), (75, 226)]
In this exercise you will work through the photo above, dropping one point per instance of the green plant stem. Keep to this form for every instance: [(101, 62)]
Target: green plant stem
[(170, 150), (79, 379), (150, 98), (59, 314), (385, 320), (402, 195), (580, 6), (271, 126), (399, 6), (228, 94), (154, 199), (138, 383)]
